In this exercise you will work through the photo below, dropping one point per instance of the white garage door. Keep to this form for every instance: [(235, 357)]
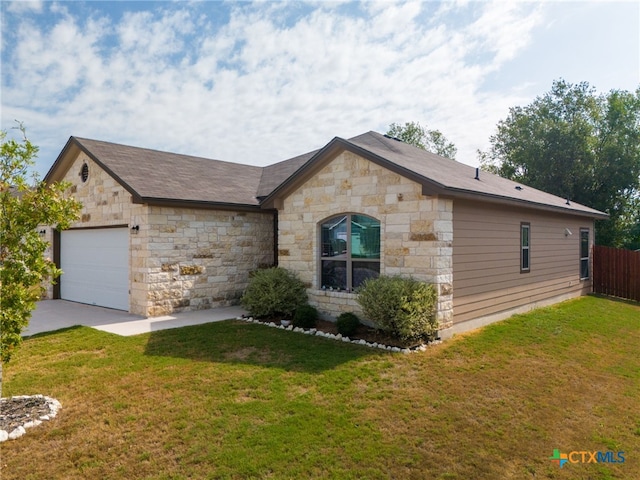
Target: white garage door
[(95, 263)]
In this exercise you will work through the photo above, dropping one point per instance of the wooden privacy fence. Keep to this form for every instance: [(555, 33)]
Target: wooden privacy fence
[(616, 272)]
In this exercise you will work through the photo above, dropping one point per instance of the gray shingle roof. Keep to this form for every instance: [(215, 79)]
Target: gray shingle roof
[(151, 174), (454, 178), (274, 175), (161, 177)]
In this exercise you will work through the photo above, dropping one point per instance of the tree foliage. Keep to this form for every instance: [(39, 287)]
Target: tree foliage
[(578, 145), (25, 205), (431, 140)]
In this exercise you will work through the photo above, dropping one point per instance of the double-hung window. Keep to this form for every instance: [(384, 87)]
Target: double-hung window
[(525, 247), (584, 253), (349, 252)]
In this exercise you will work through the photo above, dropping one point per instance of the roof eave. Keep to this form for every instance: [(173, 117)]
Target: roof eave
[(73, 142), (465, 194), (172, 202)]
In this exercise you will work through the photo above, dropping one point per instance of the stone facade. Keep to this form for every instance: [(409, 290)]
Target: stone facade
[(416, 231), (185, 258), (197, 259), (180, 258), (105, 203)]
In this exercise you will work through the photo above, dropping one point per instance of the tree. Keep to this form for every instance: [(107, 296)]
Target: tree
[(24, 206), (431, 140), (578, 145)]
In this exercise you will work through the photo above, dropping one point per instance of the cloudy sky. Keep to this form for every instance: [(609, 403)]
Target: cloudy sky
[(261, 82)]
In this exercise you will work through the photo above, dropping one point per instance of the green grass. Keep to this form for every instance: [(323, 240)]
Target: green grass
[(237, 401)]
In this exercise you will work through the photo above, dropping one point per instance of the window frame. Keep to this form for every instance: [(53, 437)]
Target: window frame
[(349, 260), (588, 257), (525, 226)]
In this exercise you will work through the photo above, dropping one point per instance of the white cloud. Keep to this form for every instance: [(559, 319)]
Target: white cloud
[(22, 6), (261, 88), (505, 28)]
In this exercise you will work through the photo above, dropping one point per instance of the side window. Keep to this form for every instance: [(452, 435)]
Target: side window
[(350, 251), (525, 247), (584, 253)]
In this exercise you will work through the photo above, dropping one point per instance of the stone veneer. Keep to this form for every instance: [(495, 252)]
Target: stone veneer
[(105, 203), (197, 259), (416, 230), (180, 258)]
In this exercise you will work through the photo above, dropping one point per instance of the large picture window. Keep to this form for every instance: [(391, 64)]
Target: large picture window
[(525, 247), (350, 251), (584, 253)]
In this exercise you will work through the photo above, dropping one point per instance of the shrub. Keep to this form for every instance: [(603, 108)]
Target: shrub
[(306, 316), (347, 323), (404, 307), (273, 291)]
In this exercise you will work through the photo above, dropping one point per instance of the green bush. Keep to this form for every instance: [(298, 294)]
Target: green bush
[(306, 316), (273, 291), (347, 323), (404, 307)]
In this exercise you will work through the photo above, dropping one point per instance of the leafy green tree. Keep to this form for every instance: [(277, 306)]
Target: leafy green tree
[(431, 140), (25, 205), (631, 231), (578, 145)]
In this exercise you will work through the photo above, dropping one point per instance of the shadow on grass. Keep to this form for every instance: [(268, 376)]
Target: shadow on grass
[(53, 332), (239, 342)]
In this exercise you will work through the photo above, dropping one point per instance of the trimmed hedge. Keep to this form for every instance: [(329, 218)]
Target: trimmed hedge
[(347, 323), (273, 291), (404, 307), (306, 316)]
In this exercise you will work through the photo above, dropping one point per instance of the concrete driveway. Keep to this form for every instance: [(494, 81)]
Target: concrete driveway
[(56, 314)]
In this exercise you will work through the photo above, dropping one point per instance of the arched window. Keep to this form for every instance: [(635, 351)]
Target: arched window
[(350, 251)]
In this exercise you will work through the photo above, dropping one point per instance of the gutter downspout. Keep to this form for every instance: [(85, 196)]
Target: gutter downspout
[(275, 238)]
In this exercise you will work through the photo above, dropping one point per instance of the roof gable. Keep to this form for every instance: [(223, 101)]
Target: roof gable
[(436, 174), (153, 176)]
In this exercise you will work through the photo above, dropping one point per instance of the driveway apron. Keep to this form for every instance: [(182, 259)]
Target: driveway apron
[(51, 315)]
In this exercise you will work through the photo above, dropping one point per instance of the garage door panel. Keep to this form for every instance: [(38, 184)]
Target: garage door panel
[(96, 267)]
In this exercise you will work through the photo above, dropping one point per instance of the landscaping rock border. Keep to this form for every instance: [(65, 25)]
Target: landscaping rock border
[(338, 337), (26, 411)]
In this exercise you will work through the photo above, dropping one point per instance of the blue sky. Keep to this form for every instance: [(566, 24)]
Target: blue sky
[(261, 82)]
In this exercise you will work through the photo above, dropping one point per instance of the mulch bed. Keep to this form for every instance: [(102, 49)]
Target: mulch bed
[(21, 412)]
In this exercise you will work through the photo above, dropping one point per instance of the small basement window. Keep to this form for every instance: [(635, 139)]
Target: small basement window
[(525, 247)]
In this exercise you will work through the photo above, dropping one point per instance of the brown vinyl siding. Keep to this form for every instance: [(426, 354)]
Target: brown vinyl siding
[(487, 258)]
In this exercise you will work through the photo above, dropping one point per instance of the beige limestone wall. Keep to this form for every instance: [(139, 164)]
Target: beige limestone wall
[(180, 258), (104, 202), (416, 230), (197, 259)]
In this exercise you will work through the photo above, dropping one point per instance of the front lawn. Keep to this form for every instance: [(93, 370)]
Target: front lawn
[(233, 400)]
